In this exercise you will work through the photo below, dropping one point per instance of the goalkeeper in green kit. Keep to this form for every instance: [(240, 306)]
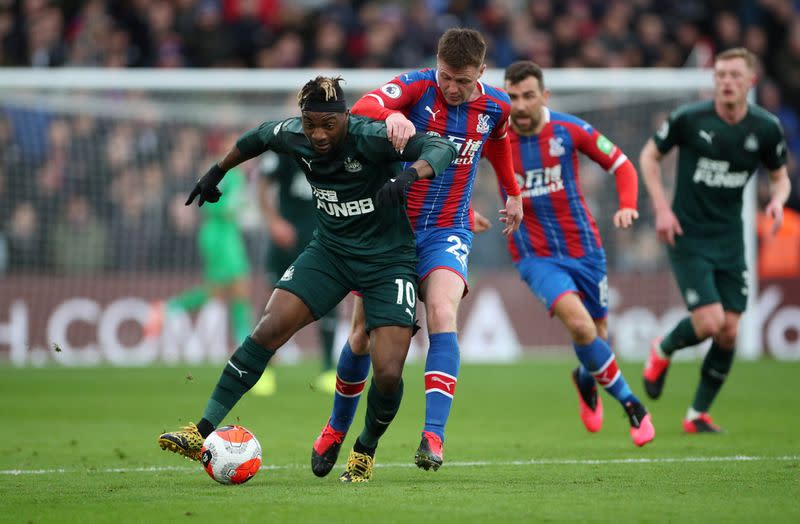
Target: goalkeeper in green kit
[(226, 269), (363, 242)]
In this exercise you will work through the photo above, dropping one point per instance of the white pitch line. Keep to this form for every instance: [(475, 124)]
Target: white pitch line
[(478, 463)]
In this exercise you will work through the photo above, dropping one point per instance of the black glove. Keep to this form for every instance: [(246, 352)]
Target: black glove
[(206, 187), (393, 192)]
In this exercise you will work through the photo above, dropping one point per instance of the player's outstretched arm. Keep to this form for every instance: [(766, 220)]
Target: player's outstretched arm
[(611, 158), (430, 155), (498, 152), (399, 129), (779, 188), (627, 182), (206, 187), (667, 225), (388, 103)]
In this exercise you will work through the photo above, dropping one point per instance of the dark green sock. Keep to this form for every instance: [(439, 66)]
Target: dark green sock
[(681, 336), (240, 374), (381, 410), (715, 370), (189, 300), (241, 315), (327, 331)]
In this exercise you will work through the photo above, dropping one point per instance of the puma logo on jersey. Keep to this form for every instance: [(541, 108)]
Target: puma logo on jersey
[(706, 135), (241, 372), (307, 162), (432, 112), (410, 314)]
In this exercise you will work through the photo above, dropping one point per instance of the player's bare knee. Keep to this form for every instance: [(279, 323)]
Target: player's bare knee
[(602, 328), (582, 330), (269, 332), (708, 324), (726, 338), (263, 334), (387, 378), (441, 316), (359, 341)]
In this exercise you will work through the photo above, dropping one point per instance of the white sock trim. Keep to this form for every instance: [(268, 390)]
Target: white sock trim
[(692, 413)]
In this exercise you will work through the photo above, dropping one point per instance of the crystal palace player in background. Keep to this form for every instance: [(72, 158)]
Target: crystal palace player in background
[(363, 241), (557, 249), (448, 101), (721, 143)]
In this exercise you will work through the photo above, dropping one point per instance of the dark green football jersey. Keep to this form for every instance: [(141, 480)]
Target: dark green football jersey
[(295, 198), (344, 182), (715, 161)]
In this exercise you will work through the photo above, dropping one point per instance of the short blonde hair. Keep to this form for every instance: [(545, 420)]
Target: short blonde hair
[(738, 52)]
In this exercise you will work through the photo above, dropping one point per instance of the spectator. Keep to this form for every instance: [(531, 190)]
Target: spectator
[(46, 150), (78, 244), (24, 237), (787, 65), (210, 43)]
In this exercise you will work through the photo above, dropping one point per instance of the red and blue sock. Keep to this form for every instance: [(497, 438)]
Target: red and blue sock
[(351, 377), (441, 375), (599, 360)]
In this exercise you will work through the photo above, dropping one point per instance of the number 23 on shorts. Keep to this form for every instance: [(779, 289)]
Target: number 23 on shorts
[(459, 250)]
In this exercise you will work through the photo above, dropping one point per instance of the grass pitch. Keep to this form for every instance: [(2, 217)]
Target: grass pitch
[(80, 446)]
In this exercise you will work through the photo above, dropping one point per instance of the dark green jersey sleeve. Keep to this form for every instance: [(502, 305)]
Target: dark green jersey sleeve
[(773, 150), (267, 136), (670, 132), (437, 151)]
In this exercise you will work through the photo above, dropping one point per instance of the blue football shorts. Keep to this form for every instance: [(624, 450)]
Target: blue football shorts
[(551, 278), (444, 248)]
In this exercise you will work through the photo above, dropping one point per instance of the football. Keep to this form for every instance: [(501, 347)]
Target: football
[(231, 455)]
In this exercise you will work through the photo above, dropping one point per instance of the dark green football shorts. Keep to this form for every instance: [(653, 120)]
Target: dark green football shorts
[(704, 280), (322, 278)]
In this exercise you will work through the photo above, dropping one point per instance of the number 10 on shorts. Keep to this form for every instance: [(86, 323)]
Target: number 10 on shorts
[(405, 288)]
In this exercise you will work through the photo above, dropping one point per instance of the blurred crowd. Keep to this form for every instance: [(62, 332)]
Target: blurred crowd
[(81, 193)]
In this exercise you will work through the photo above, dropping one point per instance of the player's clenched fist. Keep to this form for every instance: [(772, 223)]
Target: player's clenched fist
[(206, 187), (393, 192)]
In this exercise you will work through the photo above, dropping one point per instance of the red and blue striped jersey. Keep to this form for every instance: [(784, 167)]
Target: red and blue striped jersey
[(557, 221), (445, 200)]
